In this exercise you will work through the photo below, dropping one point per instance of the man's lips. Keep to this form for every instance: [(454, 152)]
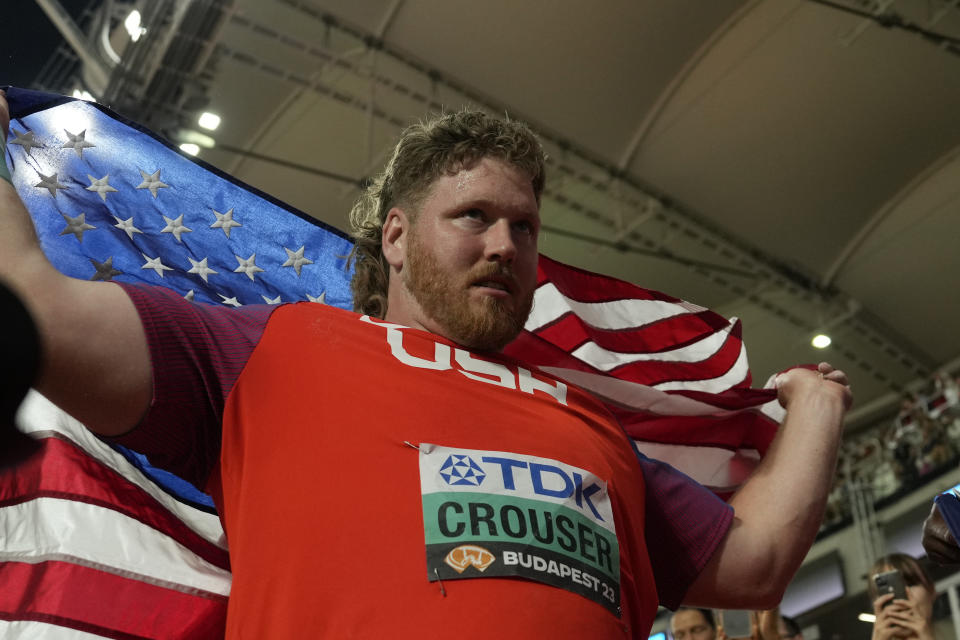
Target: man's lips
[(505, 285)]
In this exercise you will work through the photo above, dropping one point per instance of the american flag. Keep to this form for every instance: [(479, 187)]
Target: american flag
[(674, 373), (106, 545)]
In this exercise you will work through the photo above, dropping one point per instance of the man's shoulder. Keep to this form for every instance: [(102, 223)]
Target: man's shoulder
[(312, 309)]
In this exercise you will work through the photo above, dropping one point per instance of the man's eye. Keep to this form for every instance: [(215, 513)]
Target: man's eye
[(474, 214), (524, 226)]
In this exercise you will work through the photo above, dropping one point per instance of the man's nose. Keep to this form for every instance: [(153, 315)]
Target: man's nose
[(501, 246)]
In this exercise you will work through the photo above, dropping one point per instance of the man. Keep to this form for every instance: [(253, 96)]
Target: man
[(689, 623), (341, 449)]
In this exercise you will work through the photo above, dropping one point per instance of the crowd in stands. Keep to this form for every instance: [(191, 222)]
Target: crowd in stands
[(895, 457)]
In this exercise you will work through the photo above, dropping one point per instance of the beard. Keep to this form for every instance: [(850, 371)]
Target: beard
[(484, 324)]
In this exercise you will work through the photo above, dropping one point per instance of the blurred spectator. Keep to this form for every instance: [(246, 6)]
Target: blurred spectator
[(910, 619), (688, 623), (935, 450), (893, 458), (764, 625)]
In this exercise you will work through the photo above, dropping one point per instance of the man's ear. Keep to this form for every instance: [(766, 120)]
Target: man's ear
[(394, 237)]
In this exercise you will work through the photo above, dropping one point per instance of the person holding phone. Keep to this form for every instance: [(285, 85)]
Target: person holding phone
[(902, 595)]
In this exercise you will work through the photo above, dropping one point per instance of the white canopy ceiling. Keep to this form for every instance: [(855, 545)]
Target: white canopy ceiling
[(782, 161)]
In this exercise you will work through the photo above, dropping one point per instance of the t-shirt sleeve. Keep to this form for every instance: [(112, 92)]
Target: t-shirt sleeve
[(685, 523), (197, 351)]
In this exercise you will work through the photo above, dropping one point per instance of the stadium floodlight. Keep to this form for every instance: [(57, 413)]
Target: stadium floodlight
[(132, 25), (209, 121)]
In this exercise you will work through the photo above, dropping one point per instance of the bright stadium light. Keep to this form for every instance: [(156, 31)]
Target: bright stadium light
[(132, 25), (200, 139), (821, 341), (209, 121), (190, 148)]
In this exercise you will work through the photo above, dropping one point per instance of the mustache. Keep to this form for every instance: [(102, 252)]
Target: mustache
[(495, 271)]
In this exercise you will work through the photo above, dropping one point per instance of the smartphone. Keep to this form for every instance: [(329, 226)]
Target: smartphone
[(891, 582), (736, 623)]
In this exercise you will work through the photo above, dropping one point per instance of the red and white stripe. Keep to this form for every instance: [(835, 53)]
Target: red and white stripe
[(675, 374), (92, 548)]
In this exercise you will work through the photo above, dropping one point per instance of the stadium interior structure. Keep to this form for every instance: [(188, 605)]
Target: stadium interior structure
[(793, 163)]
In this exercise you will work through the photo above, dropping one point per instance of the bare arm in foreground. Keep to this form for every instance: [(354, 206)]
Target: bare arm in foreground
[(95, 362)]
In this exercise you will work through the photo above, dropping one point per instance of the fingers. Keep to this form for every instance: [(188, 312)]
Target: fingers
[(880, 602), (902, 619), (828, 372), (834, 375), (801, 376)]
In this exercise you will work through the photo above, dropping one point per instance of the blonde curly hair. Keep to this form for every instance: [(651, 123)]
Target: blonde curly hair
[(425, 151)]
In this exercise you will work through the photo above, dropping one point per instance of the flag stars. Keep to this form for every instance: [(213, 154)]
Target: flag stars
[(200, 268), (322, 298), (296, 260), (104, 270), (76, 226), (225, 221), (126, 226), (189, 295), (50, 183), (101, 186), (270, 300), (155, 264), (25, 140), (77, 142), (176, 227), (151, 181), (247, 266), (232, 301)]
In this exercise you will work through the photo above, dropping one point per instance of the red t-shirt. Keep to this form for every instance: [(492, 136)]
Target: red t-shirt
[(377, 481)]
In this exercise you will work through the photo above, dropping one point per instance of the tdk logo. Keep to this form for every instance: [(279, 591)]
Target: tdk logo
[(522, 477), (462, 471)]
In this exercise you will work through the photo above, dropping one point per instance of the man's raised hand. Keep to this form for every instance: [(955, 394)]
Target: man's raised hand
[(825, 382)]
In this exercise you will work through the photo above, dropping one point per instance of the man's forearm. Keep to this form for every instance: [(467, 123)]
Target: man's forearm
[(86, 329), (20, 254), (779, 509), (784, 500), (21, 260)]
